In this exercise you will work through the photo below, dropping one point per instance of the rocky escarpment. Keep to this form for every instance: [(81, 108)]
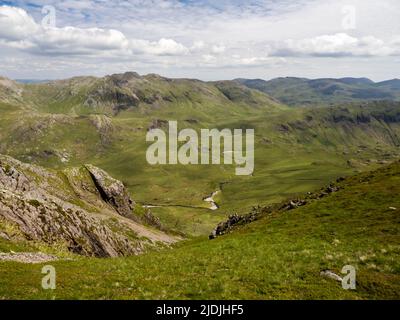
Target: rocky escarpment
[(47, 208), (379, 121), (111, 190)]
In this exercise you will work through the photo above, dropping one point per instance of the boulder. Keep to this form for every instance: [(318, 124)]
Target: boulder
[(331, 275)]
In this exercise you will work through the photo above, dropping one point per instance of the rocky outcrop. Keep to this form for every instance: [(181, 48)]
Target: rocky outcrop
[(111, 190), (104, 127), (331, 275), (152, 220), (52, 221), (293, 204), (42, 216), (157, 124), (10, 91), (257, 212), (46, 207), (233, 220), (115, 93)]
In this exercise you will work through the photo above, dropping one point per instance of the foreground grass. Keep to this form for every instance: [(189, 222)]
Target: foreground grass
[(274, 258)]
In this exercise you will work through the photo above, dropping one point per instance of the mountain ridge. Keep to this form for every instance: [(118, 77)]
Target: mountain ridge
[(118, 92), (113, 93), (303, 91)]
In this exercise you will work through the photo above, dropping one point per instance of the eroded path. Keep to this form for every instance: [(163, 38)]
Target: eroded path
[(27, 257)]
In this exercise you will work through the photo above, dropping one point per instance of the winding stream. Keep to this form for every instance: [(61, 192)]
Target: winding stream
[(210, 199)]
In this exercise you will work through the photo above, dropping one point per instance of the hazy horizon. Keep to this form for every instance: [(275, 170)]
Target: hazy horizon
[(194, 78)]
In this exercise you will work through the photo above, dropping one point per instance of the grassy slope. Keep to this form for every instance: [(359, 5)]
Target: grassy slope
[(276, 257)]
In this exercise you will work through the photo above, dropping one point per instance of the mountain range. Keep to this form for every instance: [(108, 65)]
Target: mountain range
[(302, 91)]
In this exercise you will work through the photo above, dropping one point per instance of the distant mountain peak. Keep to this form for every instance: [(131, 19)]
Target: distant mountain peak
[(126, 76)]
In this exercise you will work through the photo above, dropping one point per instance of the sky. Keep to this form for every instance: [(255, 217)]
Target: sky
[(204, 39)]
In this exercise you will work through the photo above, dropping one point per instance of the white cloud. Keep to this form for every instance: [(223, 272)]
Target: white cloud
[(161, 47), (197, 46), (208, 58), (19, 30), (237, 61), (259, 61), (218, 49), (73, 41), (16, 24), (336, 45)]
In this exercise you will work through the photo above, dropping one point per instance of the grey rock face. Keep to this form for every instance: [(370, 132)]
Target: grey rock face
[(111, 190), (40, 204)]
